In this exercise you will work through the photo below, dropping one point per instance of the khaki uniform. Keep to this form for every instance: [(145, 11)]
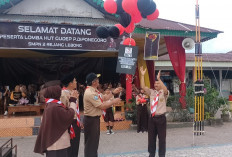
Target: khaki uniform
[(74, 149), (157, 125), (92, 102), (65, 95), (161, 107), (92, 114)]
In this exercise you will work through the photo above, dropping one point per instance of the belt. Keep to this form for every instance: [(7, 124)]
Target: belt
[(159, 116), (92, 116)]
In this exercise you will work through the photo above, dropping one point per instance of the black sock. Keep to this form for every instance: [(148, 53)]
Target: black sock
[(108, 127), (111, 127)]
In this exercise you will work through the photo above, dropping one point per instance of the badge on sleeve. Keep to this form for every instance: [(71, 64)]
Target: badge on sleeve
[(95, 97)]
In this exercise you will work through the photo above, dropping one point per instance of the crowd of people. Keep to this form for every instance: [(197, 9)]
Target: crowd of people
[(59, 134), (20, 95)]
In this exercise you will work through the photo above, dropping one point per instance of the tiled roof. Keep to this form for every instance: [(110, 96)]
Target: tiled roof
[(212, 57)]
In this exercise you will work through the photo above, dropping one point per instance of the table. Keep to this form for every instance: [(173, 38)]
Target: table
[(24, 108)]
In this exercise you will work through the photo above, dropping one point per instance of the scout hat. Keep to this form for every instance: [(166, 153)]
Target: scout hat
[(90, 77)]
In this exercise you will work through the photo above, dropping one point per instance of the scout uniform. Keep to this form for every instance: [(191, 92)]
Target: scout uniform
[(157, 121), (75, 128), (92, 100), (142, 114)]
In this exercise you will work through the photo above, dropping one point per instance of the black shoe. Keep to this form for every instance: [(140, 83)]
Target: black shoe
[(151, 155)]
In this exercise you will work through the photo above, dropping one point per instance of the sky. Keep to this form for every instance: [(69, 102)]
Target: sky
[(214, 14)]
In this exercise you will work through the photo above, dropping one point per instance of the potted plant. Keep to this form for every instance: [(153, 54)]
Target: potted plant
[(131, 110), (225, 113)]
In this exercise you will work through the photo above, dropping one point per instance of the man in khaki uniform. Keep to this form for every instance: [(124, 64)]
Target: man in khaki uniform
[(69, 88), (157, 121), (94, 105)]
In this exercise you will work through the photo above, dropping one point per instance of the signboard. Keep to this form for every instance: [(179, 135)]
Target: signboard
[(54, 36), (151, 47), (127, 59)]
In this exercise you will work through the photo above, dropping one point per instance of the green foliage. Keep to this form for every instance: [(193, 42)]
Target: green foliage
[(131, 110), (212, 99), (131, 105), (225, 109), (190, 96), (173, 102)]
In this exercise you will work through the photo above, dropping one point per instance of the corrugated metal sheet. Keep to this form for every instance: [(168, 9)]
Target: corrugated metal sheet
[(172, 25), (57, 20)]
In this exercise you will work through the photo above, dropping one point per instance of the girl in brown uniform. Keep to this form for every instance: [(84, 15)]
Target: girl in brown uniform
[(142, 114)]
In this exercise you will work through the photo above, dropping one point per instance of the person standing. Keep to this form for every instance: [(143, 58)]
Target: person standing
[(142, 114), (69, 87), (109, 117), (94, 106), (53, 138), (157, 123)]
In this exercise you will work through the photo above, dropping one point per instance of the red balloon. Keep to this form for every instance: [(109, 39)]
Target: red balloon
[(130, 28), (129, 6), (110, 6), (121, 28), (129, 41), (137, 17), (154, 15)]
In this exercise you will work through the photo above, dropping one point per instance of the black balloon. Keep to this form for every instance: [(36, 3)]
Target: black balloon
[(119, 7), (151, 9), (102, 32), (125, 19), (143, 15), (143, 5), (114, 32)]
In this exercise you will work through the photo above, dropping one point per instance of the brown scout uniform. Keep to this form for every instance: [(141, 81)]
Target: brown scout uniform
[(157, 125), (142, 114), (92, 121)]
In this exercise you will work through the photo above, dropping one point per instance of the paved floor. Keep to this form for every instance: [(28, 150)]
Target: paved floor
[(217, 142)]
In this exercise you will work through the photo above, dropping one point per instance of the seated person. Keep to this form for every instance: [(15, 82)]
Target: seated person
[(23, 90), (16, 95), (31, 93)]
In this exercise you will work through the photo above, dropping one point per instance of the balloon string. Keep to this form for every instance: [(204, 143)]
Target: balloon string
[(130, 39)]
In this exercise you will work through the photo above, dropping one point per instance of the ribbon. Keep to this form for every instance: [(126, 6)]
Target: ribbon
[(154, 105)]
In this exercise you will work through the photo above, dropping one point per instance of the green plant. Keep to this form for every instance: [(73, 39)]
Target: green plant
[(131, 110), (190, 96), (208, 116), (225, 109), (131, 105), (173, 102), (212, 100)]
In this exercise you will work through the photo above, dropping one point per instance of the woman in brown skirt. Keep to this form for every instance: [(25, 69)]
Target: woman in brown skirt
[(142, 114)]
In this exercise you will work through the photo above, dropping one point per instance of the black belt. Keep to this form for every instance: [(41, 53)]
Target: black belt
[(93, 116), (159, 116)]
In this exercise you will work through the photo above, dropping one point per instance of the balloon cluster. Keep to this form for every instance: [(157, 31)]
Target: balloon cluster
[(130, 12)]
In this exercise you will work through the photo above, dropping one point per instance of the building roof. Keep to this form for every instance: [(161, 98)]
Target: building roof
[(211, 57), (173, 25)]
